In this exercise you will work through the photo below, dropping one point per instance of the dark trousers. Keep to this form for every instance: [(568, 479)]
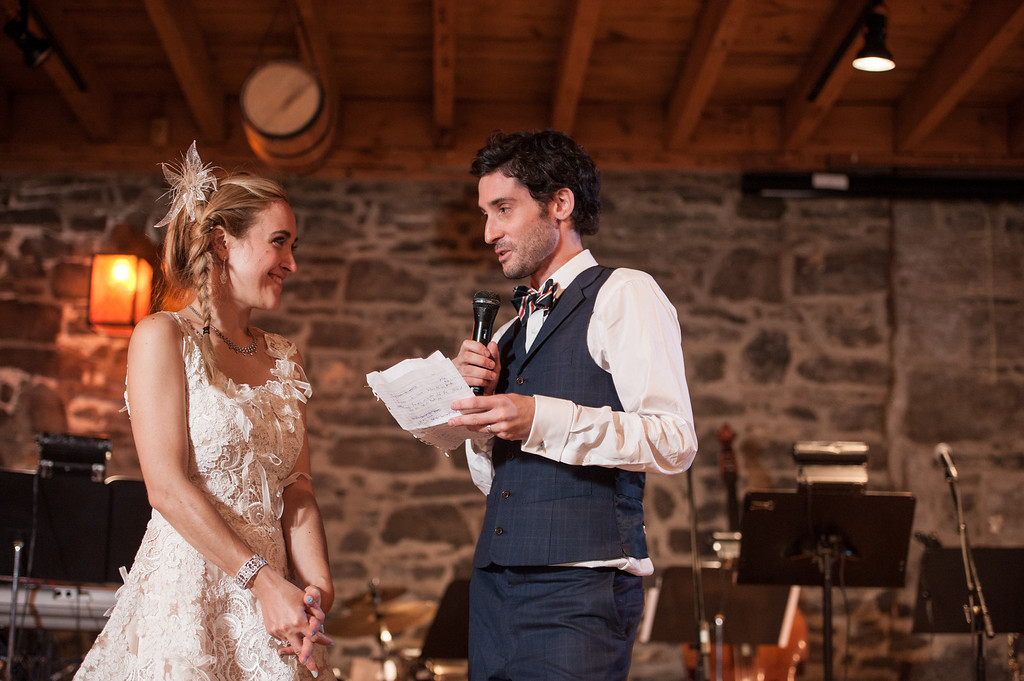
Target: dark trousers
[(552, 623)]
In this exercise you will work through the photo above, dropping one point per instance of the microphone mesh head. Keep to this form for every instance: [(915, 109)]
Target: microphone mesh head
[(487, 298)]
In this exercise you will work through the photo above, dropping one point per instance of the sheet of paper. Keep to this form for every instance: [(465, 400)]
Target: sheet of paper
[(418, 392)]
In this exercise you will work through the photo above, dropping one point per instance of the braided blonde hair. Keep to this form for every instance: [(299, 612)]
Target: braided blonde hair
[(189, 260)]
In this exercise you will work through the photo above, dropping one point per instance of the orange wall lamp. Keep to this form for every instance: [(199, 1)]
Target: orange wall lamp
[(119, 292)]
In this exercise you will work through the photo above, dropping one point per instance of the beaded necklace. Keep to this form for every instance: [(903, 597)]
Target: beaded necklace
[(247, 350)]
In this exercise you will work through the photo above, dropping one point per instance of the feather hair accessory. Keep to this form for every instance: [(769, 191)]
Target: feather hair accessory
[(189, 182)]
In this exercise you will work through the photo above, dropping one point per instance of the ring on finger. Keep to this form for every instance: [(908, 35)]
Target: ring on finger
[(489, 429)]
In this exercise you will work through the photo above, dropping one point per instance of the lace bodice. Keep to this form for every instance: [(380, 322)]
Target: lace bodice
[(246, 439), (178, 616)]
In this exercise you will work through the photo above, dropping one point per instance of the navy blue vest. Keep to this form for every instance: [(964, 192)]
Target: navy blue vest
[(539, 511)]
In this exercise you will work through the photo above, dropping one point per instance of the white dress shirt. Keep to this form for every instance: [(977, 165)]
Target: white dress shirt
[(634, 335)]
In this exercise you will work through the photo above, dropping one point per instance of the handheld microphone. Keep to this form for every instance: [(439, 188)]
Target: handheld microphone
[(942, 453), (485, 309)]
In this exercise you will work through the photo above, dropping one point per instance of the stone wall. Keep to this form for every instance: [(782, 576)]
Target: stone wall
[(896, 323)]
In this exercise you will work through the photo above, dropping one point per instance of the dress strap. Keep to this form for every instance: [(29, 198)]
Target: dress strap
[(186, 328), (287, 370)]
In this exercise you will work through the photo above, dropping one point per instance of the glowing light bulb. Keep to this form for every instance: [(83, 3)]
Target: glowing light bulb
[(122, 271)]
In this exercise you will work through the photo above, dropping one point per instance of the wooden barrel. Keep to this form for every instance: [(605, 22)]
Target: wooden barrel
[(286, 117)]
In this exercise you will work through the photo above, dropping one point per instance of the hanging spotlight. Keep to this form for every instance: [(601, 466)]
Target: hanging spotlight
[(36, 50), (874, 56)]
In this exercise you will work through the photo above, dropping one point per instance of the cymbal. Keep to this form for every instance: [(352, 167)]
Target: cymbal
[(362, 621), (386, 593)]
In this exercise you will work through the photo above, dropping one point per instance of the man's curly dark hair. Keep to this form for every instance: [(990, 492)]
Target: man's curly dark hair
[(544, 162)]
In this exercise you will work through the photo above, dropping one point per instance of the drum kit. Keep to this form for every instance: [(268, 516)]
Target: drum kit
[(382, 612)]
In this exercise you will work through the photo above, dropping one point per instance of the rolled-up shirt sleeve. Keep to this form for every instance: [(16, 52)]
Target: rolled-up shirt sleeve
[(633, 334)]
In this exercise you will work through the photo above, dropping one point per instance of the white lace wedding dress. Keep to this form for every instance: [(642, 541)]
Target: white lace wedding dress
[(178, 617)]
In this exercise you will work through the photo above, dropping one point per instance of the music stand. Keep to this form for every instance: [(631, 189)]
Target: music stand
[(448, 635), (800, 537), (129, 515), (63, 522), (673, 610), (36, 507), (942, 593)]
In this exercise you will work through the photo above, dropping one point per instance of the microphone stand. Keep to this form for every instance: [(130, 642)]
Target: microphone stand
[(703, 627), (976, 610), (387, 665), (8, 670)]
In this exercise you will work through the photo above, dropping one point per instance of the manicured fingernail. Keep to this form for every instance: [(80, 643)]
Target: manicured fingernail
[(309, 599), (315, 674)]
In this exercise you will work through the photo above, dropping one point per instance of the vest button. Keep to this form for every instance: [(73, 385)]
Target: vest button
[(511, 455), (505, 493), (520, 380), (498, 530)]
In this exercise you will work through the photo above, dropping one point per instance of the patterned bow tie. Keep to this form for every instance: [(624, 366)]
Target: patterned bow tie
[(526, 300)]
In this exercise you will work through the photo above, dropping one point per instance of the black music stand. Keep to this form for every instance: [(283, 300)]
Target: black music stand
[(62, 521), (448, 635), (942, 594), (74, 530), (673, 611), (801, 537), (129, 515)]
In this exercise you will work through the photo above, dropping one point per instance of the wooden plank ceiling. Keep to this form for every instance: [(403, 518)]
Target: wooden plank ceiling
[(413, 87)]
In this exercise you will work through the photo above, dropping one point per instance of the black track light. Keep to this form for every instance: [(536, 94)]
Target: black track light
[(35, 50), (874, 56)]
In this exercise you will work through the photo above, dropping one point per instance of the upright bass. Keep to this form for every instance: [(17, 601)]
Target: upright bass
[(743, 662)]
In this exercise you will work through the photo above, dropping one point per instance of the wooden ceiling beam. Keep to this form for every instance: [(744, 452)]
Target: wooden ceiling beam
[(179, 32), (729, 138), (572, 69), (444, 73), (75, 78), (980, 38), (716, 29), (823, 77)]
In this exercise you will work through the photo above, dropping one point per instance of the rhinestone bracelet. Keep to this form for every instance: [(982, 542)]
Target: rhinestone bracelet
[(247, 572)]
